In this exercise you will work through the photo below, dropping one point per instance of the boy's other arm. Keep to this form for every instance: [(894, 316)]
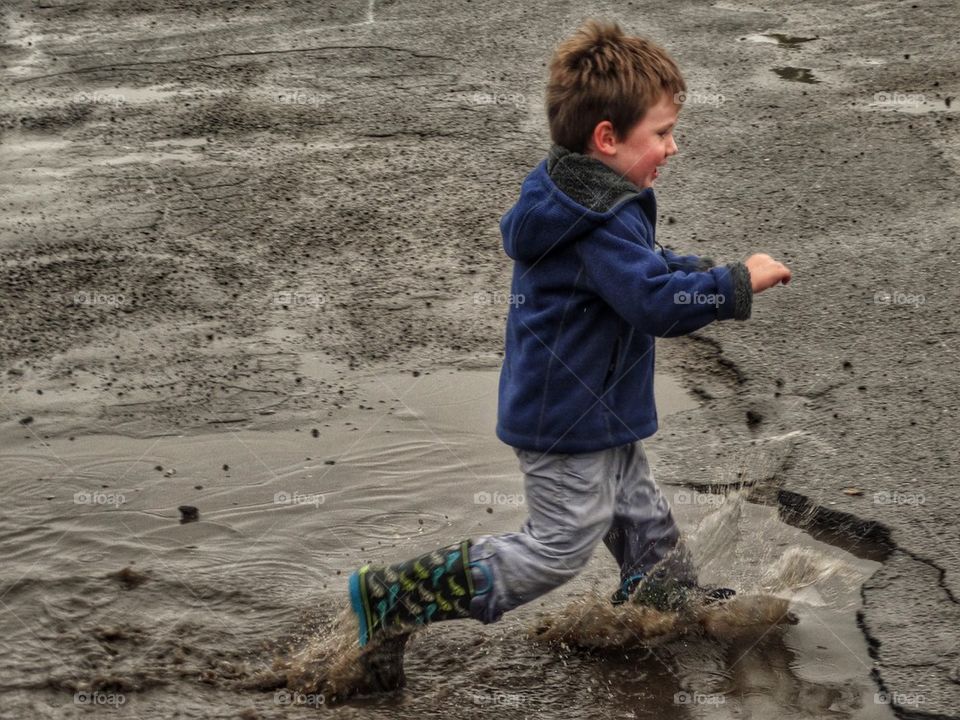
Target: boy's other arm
[(687, 263)]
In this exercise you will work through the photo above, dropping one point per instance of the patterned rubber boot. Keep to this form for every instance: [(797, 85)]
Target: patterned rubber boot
[(396, 600), (670, 586), (668, 594)]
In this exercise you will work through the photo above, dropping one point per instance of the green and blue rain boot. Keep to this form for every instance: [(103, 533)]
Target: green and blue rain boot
[(398, 599), (391, 602)]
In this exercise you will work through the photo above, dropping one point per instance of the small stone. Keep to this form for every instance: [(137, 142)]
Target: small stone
[(26, 420), (225, 467), (954, 674), (129, 578), (315, 432), (188, 513), (856, 492)]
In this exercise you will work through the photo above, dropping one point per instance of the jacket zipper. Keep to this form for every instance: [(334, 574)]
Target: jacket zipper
[(612, 367)]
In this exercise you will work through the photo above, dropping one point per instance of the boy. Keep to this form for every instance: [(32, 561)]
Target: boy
[(576, 388)]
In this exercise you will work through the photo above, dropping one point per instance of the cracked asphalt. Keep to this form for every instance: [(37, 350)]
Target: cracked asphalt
[(194, 195)]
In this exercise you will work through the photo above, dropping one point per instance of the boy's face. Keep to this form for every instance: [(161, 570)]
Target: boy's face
[(646, 146)]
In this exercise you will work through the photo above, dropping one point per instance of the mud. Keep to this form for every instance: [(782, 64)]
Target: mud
[(221, 218)]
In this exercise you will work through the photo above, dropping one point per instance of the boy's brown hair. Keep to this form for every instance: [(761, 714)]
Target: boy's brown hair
[(601, 74)]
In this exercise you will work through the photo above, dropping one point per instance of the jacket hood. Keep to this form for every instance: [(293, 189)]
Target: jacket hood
[(565, 197)]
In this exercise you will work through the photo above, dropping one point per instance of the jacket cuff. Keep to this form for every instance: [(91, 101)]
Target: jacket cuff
[(742, 291), (704, 263)]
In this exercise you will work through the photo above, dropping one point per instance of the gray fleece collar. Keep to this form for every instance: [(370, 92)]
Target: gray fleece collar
[(587, 181)]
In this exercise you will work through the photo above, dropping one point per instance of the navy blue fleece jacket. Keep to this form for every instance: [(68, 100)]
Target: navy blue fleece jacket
[(591, 291)]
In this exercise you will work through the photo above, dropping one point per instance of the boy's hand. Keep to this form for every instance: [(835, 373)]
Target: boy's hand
[(765, 272)]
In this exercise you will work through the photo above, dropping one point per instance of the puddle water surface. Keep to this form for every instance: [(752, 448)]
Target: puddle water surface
[(108, 599)]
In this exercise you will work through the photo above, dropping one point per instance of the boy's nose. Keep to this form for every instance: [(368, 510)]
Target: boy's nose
[(672, 148)]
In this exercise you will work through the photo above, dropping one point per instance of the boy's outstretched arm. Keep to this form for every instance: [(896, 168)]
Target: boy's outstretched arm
[(638, 284)]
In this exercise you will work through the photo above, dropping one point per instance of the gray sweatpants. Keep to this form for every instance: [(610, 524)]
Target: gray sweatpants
[(574, 501)]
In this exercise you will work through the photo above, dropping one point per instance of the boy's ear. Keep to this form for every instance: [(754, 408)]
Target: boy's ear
[(604, 138)]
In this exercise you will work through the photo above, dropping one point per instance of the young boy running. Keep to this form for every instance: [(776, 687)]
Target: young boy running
[(576, 388)]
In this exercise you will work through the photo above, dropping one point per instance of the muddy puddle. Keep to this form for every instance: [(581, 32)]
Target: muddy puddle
[(781, 39), (111, 605), (796, 74)]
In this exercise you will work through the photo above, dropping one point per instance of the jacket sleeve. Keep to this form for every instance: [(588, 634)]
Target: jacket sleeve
[(640, 286), (687, 263)]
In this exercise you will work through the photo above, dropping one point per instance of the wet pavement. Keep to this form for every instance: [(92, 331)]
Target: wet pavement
[(218, 220)]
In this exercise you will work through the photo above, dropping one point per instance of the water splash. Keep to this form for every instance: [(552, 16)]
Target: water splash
[(767, 585), (330, 664)]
